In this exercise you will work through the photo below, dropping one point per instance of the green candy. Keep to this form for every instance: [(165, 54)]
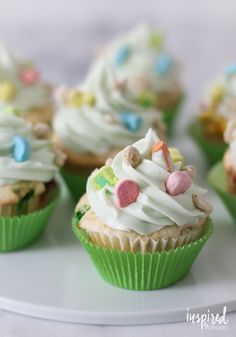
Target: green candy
[(103, 177), (146, 99)]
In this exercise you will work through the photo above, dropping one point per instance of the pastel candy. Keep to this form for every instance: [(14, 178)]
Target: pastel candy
[(230, 70), (103, 177), (156, 40), (121, 55), (146, 99), (126, 192), (178, 182), (21, 149), (176, 155), (131, 120), (162, 64), (7, 91), (29, 76)]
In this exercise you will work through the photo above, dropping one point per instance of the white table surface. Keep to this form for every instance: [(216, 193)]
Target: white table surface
[(62, 36)]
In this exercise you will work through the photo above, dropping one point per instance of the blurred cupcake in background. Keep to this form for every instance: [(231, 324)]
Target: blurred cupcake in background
[(91, 126), (143, 212), (22, 90), (218, 107), (28, 189), (140, 58), (222, 177)]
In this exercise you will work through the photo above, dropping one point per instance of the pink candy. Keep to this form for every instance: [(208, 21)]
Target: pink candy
[(29, 76), (126, 192), (178, 182)]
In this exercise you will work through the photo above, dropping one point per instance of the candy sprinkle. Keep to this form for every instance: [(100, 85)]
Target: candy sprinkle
[(21, 149), (126, 192), (121, 55), (131, 120), (161, 146), (104, 176), (162, 64)]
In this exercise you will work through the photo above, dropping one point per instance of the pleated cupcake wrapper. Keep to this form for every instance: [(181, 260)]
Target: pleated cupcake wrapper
[(213, 151), (76, 183), (170, 116), (17, 232), (143, 245), (143, 271), (218, 181)]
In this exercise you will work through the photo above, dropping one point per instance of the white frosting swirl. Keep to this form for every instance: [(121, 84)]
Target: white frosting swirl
[(26, 97), (86, 129), (40, 165), (154, 208), (140, 65)]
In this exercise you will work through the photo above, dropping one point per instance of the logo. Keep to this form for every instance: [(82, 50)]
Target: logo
[(208, 320)]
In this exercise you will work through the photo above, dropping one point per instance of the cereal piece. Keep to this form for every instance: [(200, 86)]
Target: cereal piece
[(126, 192), (178, 182), (191, 170), (202, 204), (132, 156), (41, 131)]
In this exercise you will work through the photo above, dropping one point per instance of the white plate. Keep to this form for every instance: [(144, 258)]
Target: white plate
[(55, 279)]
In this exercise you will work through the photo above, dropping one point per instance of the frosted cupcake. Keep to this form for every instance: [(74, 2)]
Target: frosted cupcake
[(140, 58), (90, 129), (28, 189), (22, 90), (218, 107), (143, 213), (222, 176)]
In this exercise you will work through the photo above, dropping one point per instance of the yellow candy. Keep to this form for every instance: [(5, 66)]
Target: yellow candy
[(104, 176), (88, 99), (156, 40), (176, 155), (7, 91), (79, 98), (75, 98), (217, 93)]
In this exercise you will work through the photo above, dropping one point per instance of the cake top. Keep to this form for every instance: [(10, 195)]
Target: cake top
[(140, 58), (20, 84), (147, 187), (26, 153)]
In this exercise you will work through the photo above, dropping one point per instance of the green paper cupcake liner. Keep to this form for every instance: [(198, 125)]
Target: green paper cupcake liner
[(213, 151), (138, 271), (76, 183), (170, 116), (217, 179), (17, 232)]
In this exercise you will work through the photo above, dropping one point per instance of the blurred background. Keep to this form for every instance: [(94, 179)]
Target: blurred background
[(62, 36)]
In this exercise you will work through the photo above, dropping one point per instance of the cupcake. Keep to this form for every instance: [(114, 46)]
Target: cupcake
[(28, 190), (143, 220), (222, 176), (140, 58), (22, 90), (93, 126), (218, 107)]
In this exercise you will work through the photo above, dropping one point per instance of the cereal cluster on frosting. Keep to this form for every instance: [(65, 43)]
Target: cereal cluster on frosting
[(178, 180)]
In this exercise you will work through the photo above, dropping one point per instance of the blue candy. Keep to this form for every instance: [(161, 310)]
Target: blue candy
[(162, 64), (21, 149), (131, 120), (121, 55), (230, 70)]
